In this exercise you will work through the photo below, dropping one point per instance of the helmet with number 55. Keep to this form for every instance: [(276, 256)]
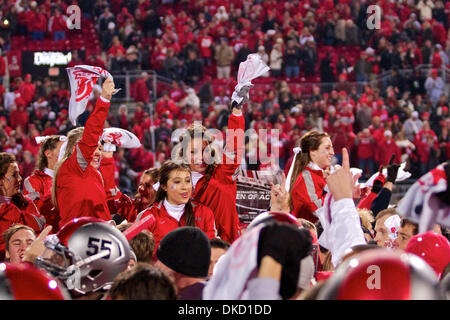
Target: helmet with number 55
[(87, 254)]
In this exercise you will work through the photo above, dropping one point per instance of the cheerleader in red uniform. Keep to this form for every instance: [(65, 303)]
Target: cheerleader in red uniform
[(78, 185), (173, 206)]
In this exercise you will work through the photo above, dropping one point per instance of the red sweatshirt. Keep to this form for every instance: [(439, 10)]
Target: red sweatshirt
[(307, 194), (10, 215), (165, 223), (220, 192), (80, 190), (38, 187)]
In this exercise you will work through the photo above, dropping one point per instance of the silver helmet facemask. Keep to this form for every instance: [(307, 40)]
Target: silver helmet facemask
[(95, 254)]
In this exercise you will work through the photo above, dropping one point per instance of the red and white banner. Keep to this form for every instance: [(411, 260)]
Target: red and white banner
[(82, 79)]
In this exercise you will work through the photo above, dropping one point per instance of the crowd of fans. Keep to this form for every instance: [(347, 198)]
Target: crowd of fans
[(198, 45)]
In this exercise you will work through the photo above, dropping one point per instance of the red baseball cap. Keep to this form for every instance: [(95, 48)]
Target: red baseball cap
[(425, 115), (431, 247)]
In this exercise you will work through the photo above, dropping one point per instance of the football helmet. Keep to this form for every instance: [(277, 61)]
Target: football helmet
[(87, 254), (382, 274), (25, 282)]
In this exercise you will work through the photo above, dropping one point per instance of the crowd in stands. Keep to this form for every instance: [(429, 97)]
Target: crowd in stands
[(198, 45)]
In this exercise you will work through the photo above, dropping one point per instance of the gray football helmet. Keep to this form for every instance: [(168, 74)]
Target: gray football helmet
[(87, 254)]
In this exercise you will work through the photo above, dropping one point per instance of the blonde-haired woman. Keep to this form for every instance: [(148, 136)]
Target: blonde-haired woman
[(78, 185)]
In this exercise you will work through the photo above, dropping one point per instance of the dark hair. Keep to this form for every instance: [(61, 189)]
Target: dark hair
[(219, 243), (49, 144), (5, 160), (310, 141), (143, 282), (164, 172), (405, 221), (154, 175)]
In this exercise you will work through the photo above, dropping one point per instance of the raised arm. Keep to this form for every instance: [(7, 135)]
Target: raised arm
[(94, 126)]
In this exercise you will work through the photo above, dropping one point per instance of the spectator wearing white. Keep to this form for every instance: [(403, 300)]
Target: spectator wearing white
[(222, 14), (434, 86), (442, 53), (412, 126), (264, 57), (191, 99), (425, 7), (305, 36), (276, 58)]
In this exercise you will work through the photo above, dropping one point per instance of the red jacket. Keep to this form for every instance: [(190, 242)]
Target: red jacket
[(27, 91), (366, 147), (126, 207), (38, 188), (18, 117), (204, 219), (141, 91), (307, 194), (79, 186), (57, 23), (386, 149), (220, 192), (38, 185), (10, 214)]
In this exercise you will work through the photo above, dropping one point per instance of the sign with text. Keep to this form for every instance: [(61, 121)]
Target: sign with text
[(253, 193), (43, 63)]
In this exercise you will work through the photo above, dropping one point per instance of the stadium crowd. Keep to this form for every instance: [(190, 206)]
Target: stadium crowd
[(200, 44), (323, 63)]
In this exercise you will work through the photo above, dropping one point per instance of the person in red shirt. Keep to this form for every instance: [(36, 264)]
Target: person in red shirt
[(15, 208), (19, 116), (78, 188), (311, 167), (129, 208), (386, 147), (214, 173), (57, 25), (165, 103), (141, 91), (38, 186), (365, 148), (27, 90), (205, 43), (38, 25), (173, 206), (115, 47)]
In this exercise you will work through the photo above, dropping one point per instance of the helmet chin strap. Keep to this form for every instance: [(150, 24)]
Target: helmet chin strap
[(73, 282)]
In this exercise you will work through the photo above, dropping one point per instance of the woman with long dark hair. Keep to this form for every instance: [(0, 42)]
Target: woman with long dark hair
[(310, 169), (173, 206)]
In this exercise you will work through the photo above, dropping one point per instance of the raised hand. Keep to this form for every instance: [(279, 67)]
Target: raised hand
[(37, 248), (279, 196), (392, 170), (340, 182), (108, 88)]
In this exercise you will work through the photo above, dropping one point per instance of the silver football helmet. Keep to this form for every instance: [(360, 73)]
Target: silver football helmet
[(87, 254)]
